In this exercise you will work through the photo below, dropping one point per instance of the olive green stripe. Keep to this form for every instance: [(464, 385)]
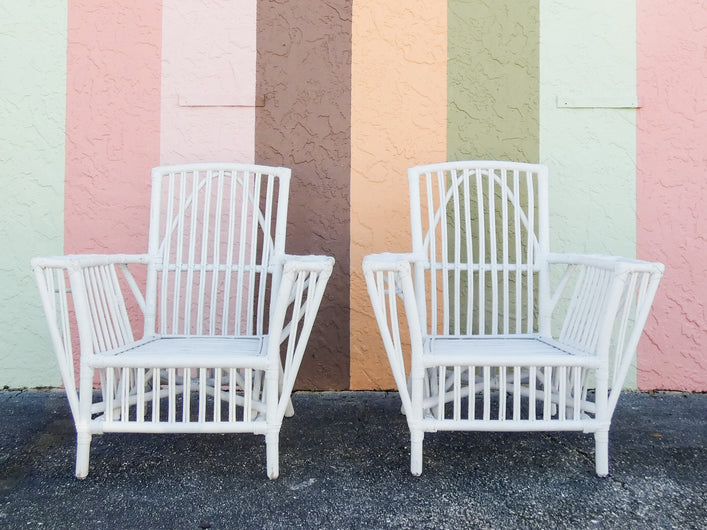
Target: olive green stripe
[(493, 79)]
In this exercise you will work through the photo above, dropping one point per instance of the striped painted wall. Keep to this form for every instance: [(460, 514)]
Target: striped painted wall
[(608, 94)]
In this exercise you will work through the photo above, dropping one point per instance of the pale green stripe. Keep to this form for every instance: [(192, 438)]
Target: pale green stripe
[(588, 59), (493, 78), (32, 131)]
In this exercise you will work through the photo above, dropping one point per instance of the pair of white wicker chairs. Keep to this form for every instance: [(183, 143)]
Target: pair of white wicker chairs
[(226, 314)]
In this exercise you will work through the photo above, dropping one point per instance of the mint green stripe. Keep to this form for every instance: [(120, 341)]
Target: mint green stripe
[(32, 132), (587, 128), (493, 80)]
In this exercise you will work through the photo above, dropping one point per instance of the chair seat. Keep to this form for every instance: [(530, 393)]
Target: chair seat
[(188, 352), (522, 350)]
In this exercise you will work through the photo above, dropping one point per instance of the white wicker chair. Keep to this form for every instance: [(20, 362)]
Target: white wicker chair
[(493, 346), (223, 307)]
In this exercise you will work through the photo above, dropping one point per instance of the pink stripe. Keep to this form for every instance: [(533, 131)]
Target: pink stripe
[(112, 122), (672, 188), (208, 81)]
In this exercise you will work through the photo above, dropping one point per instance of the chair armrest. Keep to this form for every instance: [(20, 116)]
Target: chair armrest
[(84, 305), (297, 301), (388, 262), (77, 261), (616, 263), (591, 278), (576, 265), (293, 264), (391, 291), (607, 300), (308, 263)]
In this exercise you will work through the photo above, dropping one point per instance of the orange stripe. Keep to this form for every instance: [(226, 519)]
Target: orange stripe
[(399, 119)]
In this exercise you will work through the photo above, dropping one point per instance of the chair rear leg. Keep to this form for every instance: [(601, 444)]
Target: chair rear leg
[(601, 443), (83, 451)]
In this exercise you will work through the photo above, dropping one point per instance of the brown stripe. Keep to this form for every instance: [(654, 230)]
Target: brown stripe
[(304, 78)]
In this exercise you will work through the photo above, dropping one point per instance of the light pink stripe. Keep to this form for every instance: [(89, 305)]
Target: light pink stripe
[(112, 122), (208, 81), (672, 189)]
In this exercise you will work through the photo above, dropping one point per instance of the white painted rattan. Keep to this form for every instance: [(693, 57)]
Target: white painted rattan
[(226, 314), (503, 335)]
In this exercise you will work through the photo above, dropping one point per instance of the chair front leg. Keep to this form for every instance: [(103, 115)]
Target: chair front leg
[(272, 435), (417, 433), (601, 448), (83, 427), (417, 437), (83, 452)]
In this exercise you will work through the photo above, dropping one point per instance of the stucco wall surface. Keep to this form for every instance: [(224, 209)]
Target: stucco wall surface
[(208, 81), (588, 125), (493, 80), (304, 78), (94, 93), (32, 113), (399, 107), (672, 180), (112, 123), (112, 127)]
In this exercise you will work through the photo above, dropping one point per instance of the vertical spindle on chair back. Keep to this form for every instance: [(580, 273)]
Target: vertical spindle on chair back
[(214, 231), (480, 236)]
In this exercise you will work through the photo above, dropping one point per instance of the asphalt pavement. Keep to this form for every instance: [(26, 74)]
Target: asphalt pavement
[(344, 463)]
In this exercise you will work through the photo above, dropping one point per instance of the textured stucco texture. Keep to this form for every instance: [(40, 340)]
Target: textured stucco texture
[(399, 107), (112, 127), (493, 80), (32, 114), (588, 59), (672, 189), (304, 80), (609, 94), (208, 81), (587, 135), (112, 123)]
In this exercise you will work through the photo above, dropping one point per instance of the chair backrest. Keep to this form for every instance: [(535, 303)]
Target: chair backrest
[(215, 231), (480, 239)]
